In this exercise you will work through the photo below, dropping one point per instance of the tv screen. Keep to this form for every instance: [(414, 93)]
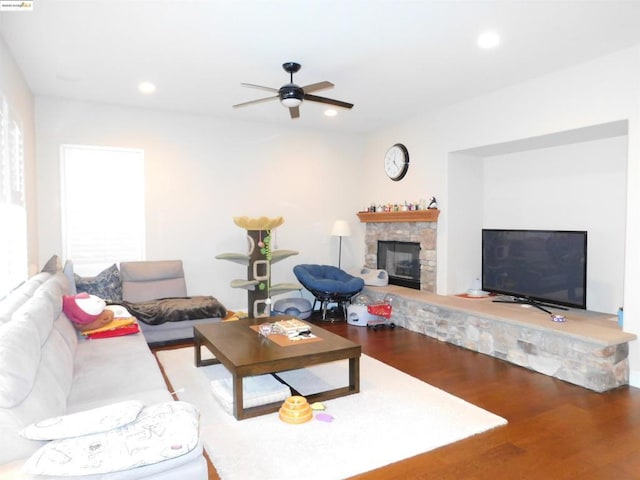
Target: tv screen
[(536, 265)]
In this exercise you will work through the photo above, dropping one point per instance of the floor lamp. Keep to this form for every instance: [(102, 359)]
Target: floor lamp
[(340, 229)]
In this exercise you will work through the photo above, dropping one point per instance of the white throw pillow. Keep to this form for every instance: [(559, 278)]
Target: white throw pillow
[(161, 432), (95, 420)]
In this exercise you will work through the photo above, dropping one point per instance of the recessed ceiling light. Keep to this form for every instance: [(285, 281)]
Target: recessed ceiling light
[(488, 40), (331, 112), (146, 87)]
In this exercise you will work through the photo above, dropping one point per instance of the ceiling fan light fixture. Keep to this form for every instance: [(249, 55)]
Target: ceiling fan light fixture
[(291, 95), (291, 102)]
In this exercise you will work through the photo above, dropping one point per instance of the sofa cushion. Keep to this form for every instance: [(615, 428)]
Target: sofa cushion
[(106, 285), (56, 371), (150, 280), (95, 420), (10, 304), (112, 369), (327, 278), (160, 432), (39, 312), (54, 289), (69, 334), (20, 295), (19, 360)]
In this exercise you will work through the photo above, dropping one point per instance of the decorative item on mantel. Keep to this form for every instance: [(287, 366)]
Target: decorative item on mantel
[(258, 259), (422, 204)]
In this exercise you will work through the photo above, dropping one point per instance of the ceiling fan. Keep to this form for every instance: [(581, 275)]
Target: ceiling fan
[(292, 95)]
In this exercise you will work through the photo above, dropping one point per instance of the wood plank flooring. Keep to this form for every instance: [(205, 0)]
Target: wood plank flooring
[(556, 430)]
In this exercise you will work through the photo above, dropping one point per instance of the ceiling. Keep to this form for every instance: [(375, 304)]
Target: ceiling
[(392, 58)]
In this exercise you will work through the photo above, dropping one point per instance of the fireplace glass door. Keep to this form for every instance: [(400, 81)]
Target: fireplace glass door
[(401, 260)]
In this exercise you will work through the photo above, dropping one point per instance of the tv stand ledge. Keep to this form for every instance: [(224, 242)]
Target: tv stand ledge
[(589, 349)]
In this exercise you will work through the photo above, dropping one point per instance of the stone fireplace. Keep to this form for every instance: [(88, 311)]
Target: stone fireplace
[(416, 226)]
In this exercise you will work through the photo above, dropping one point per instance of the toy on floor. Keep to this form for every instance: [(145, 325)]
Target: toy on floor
[(295, 409), (381, 316), (364, 312), (324, 417)]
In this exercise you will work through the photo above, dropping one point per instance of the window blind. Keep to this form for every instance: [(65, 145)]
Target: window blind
[(13, 214)]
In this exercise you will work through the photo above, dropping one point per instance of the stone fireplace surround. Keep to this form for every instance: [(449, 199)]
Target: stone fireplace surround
[(589, 350), (424, 233)]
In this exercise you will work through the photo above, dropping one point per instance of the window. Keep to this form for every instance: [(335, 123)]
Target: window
[(102, 206), (13, 214)]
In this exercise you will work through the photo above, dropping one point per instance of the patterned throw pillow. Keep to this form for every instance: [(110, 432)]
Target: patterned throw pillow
[(106, 285), (160, 432), (96, 420)]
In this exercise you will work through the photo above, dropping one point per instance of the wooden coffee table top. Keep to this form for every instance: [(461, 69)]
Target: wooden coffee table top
[(245, 351)]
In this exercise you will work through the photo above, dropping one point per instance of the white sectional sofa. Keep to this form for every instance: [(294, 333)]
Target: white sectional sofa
[(48, 370)]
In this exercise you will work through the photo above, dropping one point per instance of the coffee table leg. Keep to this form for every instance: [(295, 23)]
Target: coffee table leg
[(238, 401), (197, 354), (198, 343), (354, 374)]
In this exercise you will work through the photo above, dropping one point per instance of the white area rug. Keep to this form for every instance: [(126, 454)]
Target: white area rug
[(394, 417)]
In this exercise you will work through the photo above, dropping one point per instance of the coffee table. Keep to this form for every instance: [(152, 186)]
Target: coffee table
[(244, 352)]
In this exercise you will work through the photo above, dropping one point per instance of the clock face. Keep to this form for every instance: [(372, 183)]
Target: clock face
[(396, 162)]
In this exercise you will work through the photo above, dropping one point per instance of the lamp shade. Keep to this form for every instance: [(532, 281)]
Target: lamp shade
[(340, 229)]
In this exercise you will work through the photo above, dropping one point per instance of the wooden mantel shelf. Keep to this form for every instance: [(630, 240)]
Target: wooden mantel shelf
[(430, 215)]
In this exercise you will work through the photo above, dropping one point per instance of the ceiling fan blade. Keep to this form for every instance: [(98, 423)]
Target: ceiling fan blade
[(251, 85), (328, 101), (294, 112), (314, 87), (251, 102)]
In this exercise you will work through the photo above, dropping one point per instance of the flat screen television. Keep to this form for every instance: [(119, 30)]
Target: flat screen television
[(539, 267)]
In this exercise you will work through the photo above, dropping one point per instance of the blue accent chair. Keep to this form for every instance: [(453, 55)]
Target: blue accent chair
[(328, 284)]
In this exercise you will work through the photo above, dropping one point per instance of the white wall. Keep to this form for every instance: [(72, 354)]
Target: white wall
[(599, 92), (200, 172), (581, 186), (16, 91)]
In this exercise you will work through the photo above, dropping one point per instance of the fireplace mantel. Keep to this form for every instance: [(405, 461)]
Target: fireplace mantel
[(430, 215)]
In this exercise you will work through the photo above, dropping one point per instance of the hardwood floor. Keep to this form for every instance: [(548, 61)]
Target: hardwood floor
[(556, 430)]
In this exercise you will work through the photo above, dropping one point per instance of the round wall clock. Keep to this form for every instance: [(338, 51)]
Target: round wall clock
[(396, 162)]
